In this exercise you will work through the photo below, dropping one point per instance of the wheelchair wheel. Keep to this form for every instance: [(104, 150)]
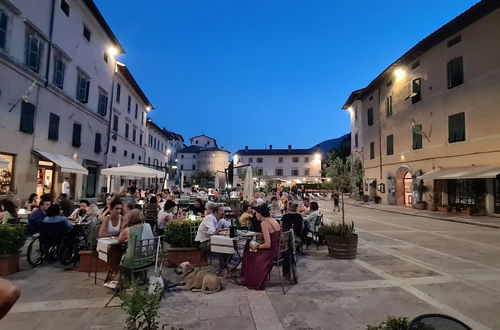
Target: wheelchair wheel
[(35, 252), (67, 250)]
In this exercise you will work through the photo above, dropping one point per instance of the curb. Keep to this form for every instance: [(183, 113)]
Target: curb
[(429, 216)]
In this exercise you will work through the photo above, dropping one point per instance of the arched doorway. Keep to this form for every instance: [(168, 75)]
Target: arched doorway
[(404, 187)]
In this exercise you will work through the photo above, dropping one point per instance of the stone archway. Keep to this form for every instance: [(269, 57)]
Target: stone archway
[(404, 187)]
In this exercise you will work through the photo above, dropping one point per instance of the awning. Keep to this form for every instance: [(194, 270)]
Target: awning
[(470, 172), (67, 164), (137, 171)]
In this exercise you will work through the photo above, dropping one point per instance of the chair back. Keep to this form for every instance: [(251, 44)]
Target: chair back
[(193, 231), (150, 211), (52, 233), (319, 221), (285, 241), (145, 250)]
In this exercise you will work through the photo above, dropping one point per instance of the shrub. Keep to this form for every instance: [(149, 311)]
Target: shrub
[(12, 238), (337, 229), (141, 307), (178, 233), (391, 323)]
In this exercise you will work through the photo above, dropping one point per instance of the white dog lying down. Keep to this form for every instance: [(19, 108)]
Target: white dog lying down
[(197, 280)]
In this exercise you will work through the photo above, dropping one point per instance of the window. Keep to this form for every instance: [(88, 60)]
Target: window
[(372, 150), (417, 136), (33, 52), (77, 135), (456, 127), (355, 113), (27, 117), (3, 29), (455, 70), (125, 153), (97, 145), (59, 68), (129, 102), (416, 90), (390, 145), (196, 142), (115, 123), (65, 7), (142, 119), (86, 33), (133, 156), (136, 111), (454, 41), (278, 172), (182, 156), (306, 159), (6, 173), (53, 127), (260, 172), (295, 172), (295, 159), (118, 92), (126, 130), (388, 84), (194, 156), (388, 106), (134, 132), (415, 65), (370, 117), (83, 86), (140, 139), (307, 171), (102, 105), (250, 159), (356, 140), (113, 149), (280, 160), (139, 158), (259, 159), (194, 167), (182, 167)]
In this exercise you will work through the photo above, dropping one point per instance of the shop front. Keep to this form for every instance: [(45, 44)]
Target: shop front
[(6, 173)]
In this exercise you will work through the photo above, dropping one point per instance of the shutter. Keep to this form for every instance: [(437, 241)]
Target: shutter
[(451, 129), (87, 89), (97, 146), (77, 133), (3, 29), (27, 117), (53, 127), (449, 72), (460, 123)]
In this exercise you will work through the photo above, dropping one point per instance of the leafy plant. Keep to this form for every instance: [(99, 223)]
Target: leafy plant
[(391, 323), (337, 229), (12, 238), (203, 178), (141, 307), (178, 233)]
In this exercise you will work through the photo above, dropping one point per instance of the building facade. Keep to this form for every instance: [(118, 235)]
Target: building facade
[(56, 64), (426, 129), (288, 165)]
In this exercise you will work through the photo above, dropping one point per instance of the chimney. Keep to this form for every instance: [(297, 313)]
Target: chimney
[(289, 147), (246, 148), (270, 147)]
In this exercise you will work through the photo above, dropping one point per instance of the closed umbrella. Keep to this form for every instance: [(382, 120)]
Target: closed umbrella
[(216, 183), (182, 180), (248, 186)]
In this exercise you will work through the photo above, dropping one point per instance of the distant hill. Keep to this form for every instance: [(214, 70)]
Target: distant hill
[(328, 145)]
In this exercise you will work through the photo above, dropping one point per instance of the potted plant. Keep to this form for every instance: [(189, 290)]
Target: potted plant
[(12, 239), (341, 239), (180, 236)]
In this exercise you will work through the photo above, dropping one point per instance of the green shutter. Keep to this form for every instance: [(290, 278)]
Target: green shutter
[(27, 117), (77, 135), (3, 29), (53, 127)]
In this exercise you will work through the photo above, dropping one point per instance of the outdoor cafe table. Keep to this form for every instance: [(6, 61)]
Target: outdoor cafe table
[(224, 244)]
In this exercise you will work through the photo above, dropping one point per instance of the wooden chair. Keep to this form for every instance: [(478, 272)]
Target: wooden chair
[(286, 240), (316, 238)]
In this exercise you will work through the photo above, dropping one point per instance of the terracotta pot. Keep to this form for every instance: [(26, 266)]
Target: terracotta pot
[(174, 256), (88, 263), (342, 247), (9, 264)]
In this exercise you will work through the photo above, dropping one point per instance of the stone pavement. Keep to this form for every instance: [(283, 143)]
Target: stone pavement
[(406, 266)]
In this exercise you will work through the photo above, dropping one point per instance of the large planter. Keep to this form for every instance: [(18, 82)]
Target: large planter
[(9, 264), (342, 247), (88, 263), (174, 256)]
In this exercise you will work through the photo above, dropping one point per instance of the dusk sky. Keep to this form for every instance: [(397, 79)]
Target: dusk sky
[(260, 72)]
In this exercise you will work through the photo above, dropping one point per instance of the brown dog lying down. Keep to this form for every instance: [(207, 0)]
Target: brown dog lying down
[(197, 280)]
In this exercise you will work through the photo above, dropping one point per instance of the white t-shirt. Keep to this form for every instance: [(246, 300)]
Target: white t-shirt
[(66, 188), (162, 219)]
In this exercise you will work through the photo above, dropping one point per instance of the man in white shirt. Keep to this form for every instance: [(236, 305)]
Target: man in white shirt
[(66, 187), (212, 224)]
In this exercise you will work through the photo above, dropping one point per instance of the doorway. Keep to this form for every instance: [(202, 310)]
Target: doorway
[(91, 182), (404, 187), (497, 194), (45, 175)]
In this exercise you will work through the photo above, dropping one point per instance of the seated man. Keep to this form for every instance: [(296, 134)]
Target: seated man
[(305, 209), (36, 218), (246, 216), (54, 216), (79, 214), (310, 220), (274, 207)]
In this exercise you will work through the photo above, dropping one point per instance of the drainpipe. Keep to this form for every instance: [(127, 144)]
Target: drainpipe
[(379, 136), (51, 32), (110, 115)]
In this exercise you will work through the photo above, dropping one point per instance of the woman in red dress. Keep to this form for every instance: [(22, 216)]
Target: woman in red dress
[(258, 258)]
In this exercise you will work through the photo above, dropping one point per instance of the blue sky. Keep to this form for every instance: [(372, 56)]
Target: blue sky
[(260, 72)]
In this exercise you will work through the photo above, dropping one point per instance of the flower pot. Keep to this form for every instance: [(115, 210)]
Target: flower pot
[(9, 264), (174, 256), (88, 263), (342, 247)]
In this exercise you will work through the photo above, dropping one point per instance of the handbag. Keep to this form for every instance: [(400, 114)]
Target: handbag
[(156, 280)]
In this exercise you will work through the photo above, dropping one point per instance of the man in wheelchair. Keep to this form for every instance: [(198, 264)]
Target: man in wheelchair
[(53, 228)]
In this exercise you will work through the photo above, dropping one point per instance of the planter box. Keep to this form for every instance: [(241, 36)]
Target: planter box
[(174, 256), (9, 264), (420, 205), (88, 263), (341, 247)]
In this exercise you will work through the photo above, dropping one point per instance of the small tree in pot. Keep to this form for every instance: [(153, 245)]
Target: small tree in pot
[(12, 238), (341, 238)]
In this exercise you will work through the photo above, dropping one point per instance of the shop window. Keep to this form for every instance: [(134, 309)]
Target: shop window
[(27, 117), (456, 127), (77, 135), (53, 127), (6, 173), (390, 145), (455, 72)]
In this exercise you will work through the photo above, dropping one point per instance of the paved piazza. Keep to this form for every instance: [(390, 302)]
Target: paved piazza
[(406, 266)]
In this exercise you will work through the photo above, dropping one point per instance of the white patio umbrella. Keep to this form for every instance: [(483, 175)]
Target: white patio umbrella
[(136, 170), (248, 186), (181, 182), (216, 183)]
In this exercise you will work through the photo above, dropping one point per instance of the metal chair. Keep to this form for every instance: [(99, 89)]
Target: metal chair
[(316, 238), (286, 239), (150, 211)]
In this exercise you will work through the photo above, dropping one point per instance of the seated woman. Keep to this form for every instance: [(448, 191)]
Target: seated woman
[(165, 216), (274, 207), (136, 231), (293, 220), (112, 224), (198, 207), (9, 212), (32, 202), (257, 265)]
